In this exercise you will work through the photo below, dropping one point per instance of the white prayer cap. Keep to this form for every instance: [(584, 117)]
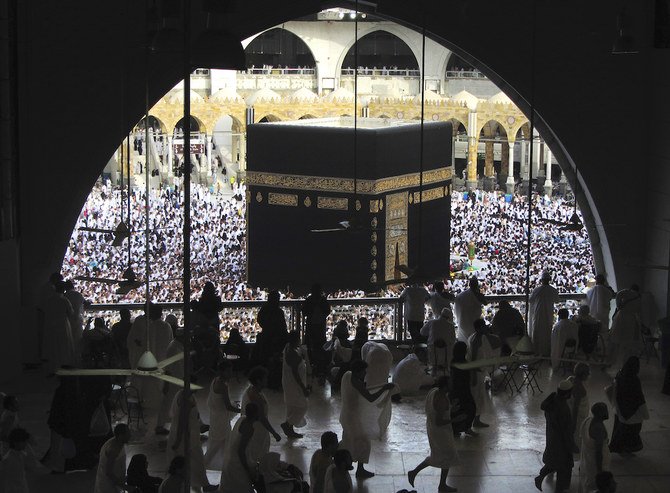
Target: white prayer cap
[(565, 385)]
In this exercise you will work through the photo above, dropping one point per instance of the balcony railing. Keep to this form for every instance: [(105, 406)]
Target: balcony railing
[(465, 74), (382, 72), (279, 71), (384, 314)]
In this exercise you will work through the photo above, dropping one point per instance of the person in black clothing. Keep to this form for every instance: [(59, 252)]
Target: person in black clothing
[(508, 324), (209, 305), (272, 339), (316, 309), (138, 476), (461, 393), (120, 332), (361, 336), (557, 455)]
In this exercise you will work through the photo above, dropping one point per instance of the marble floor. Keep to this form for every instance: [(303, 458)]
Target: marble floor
[(503, 458)]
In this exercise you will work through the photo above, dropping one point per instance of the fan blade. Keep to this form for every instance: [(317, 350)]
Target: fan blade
[(332, 230), (126, 287), (95, 230), (166, 280), (93, 372), (172, 359), (102, 280), (174, 380)]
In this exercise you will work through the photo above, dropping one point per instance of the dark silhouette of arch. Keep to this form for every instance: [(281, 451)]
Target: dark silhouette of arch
[(279, 47), (381, 49)]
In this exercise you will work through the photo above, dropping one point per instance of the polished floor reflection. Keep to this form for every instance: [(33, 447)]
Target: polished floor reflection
[(503, 458)]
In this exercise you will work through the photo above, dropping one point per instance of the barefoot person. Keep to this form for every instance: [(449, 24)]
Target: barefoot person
[(440, 435), (359, 425), (294, 383)]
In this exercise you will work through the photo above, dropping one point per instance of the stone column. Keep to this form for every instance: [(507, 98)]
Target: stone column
[(170, 155), (538, 173), (489, 170), (473, 143), (242, 142), (509, 184), (209, 154), (548, 185), (563, 184), (524, 166)]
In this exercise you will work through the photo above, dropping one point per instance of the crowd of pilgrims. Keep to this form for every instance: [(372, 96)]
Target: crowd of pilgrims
[(361, 371), (494, 223)]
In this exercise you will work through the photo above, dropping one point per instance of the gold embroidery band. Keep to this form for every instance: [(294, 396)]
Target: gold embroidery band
[(346, 185), (334, 203), (283, 199), (430, 194)]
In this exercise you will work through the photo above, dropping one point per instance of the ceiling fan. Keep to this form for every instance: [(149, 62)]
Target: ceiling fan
[(147, 366), (120, 233), (127, 283)]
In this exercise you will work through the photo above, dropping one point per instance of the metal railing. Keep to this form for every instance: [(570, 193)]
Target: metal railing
[(465, 74), (382, 72), (279, 71), (385, 314)]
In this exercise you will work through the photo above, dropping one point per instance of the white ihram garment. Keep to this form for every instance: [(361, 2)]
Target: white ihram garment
[(294, 398), (104, 482), (599, 299), (541, 318), (563, 330), (467, 309), (219, 429), (359, 419), (587, 458), (440, 438), (58, 341), (379, 360)]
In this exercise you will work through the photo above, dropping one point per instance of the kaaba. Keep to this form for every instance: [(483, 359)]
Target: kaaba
[(346, 207)]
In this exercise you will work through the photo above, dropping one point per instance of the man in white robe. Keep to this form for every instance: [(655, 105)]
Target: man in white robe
[(564, 330), (439, 299), (541, 316), (111, 474), (58, 341), (414, 298), (468, 308), (169, 391), (599, 299), (357, 415), (410, 375), (436, 330), (294, 385), (481, 345), (77, 319), (625, 338)]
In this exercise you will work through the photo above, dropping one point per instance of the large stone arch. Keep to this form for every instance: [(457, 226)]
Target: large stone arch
[(507, 68)]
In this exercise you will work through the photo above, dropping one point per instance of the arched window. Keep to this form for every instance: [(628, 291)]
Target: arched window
[(279, 47), (381, 49)]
